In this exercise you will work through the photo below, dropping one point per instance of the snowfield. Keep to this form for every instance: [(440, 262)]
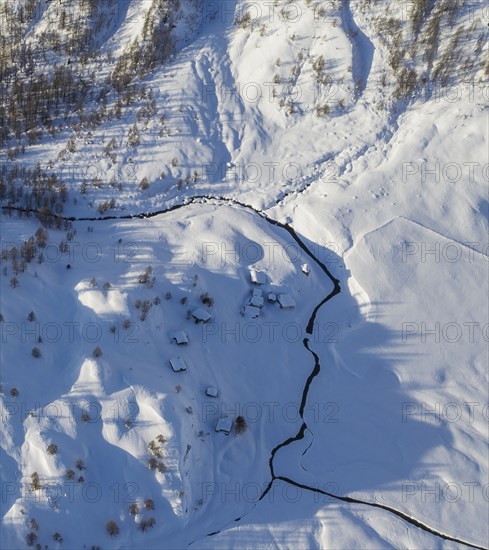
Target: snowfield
[(205, 252), (354, 381)]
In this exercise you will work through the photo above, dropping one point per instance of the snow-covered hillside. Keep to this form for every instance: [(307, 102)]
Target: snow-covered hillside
[(154, 155)]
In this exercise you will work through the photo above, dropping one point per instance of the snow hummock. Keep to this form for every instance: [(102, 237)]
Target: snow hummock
[(112, 301)]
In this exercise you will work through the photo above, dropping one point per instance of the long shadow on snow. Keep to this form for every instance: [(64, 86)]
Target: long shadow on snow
[(425, 432)]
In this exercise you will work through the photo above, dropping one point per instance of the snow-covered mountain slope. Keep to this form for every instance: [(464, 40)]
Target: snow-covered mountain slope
[(153, 154), (131, 380)]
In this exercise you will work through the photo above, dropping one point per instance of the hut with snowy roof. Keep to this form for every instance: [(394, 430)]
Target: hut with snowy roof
[(178, 364), (258, 277), (224, 425), (200, 315), (179, 337), (286, 301)]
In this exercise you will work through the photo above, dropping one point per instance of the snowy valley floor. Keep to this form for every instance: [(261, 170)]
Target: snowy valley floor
[(373, 219)]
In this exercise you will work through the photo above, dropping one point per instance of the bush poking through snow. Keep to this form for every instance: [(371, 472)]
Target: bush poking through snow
[(146, 524), (103, 206), (80, 465), (155, 445), (134, 509), (322, 110), (112, 528), (145, 307), (31, 538), (154, 464), (70, 474), (85, 417), (206, 299), (318, 67), (244, 21), (154, 449), (14, 392), (149, 504), (97, 352), (133, 138), (41, 237), (52, 449), (35, 482), (33, 524), (57, 537), (240, 424), (146, 277), (36, 352), (31, 317)]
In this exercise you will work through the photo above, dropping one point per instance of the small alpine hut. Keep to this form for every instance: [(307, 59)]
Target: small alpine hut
[(256, 299), (271, 298), (179, 337), (200, 315), (224, 424), (286, 301), (258, 277), (178, 364), (211, 391), (251, 312)]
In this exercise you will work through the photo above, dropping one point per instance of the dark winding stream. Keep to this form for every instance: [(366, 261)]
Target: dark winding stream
[(202, 199)]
